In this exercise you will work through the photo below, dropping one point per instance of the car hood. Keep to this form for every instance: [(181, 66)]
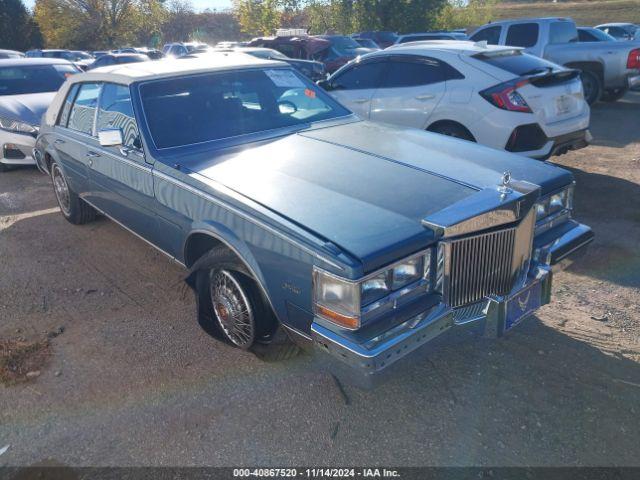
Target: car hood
[(27, 108), (365, 187)]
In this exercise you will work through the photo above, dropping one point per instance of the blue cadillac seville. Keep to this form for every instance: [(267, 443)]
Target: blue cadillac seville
[(297, 220)]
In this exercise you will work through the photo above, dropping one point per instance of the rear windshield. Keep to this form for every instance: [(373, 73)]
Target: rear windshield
[(213, 106), (516, 62), (563, 32), (19, 80)]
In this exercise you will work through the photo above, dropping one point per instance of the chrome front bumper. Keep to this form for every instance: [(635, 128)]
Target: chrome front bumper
[(376, 354)]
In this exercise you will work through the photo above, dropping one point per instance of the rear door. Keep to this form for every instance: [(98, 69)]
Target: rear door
[(120, 178), (74, 134), (355, 85), (410, 91)]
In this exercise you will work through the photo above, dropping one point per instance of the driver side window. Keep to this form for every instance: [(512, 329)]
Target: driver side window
[(116, 111), (360, 76)]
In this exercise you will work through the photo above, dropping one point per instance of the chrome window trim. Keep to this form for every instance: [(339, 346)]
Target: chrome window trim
[(244, 215)]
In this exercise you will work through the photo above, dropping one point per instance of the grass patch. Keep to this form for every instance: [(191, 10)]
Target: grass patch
[(584, 13), (19, 358)]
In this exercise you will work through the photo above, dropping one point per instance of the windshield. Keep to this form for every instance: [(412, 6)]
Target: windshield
[(20, 80), (81, 56), (343, 44), (599, 35), (268, 54), (213, 106)]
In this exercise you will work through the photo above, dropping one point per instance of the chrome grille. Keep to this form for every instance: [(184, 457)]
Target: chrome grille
[(478, 266)]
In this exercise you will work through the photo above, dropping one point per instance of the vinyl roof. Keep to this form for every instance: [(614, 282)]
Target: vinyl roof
[(132, 72)]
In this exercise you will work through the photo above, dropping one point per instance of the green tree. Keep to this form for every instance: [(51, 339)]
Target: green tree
[(18, 31), (97, 24), (259, 17)]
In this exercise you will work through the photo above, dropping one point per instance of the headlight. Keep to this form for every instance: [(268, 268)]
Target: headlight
[(562, 200), (17, 126), (336, 299), (340, 301)]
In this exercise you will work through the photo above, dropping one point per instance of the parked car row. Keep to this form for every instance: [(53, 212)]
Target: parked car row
[(497, 96), (297, 219), (608, 70)]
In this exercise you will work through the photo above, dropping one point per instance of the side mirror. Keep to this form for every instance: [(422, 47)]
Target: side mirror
[(111, 137), (325, 85)]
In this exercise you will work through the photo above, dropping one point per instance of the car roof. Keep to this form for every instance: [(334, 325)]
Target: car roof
[(18, 62), (10, 51), (463, 47), (133, 72), (527, 20), (616, 24)]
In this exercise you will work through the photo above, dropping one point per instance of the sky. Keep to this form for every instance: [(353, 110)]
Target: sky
[(197, 4)]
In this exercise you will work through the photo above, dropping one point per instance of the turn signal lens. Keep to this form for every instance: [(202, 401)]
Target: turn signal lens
[(338, 318)]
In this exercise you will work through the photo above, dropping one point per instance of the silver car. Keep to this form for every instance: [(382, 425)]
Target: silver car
[(27, 87)]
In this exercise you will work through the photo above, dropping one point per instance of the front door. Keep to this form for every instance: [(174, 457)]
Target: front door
[(355, 85), (120, 178), (409, 92)]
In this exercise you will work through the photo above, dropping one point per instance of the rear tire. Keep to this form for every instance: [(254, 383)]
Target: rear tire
[(452, 129), (233, 309), (614, 95), (74, 209), (592, 86)]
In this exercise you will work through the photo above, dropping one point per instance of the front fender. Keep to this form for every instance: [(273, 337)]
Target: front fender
[(228, 238)]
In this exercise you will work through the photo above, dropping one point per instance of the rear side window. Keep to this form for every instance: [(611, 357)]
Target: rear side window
[(411, 73), (84, 108), (490, 34), (116, 111), (563, 32), (516, 62), (360, 76), (66, 109), (522, 35)]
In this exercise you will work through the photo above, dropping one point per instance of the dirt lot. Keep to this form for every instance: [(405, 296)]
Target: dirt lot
[(130, 379)]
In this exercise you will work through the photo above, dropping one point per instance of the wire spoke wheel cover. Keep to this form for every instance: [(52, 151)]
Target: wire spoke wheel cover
[(61, 189), (232, 308)]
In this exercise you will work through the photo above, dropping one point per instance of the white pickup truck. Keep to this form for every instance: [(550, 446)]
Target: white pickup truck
[(608, 69)]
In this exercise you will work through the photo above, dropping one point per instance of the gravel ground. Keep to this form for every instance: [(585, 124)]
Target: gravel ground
[(130, 379)]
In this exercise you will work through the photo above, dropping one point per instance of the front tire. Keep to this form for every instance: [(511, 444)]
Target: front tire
[(74, 209), (232, 308)]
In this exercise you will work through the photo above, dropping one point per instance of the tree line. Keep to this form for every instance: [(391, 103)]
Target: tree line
[(107, 24)]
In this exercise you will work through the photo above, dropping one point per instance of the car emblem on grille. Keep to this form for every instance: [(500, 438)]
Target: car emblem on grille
[(504, 186), (522, 302)]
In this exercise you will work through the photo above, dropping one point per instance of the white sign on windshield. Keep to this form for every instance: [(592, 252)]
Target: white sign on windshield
[(284, 78)]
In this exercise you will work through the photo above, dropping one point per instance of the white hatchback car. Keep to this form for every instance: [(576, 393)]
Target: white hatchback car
[(494, 95)]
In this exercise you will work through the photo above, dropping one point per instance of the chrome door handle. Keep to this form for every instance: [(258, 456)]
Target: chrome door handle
[(58, 141), (93, 154), (361, 100), (425, 97)]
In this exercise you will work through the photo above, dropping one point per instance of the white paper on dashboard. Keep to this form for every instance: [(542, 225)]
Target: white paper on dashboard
[(284, 78)]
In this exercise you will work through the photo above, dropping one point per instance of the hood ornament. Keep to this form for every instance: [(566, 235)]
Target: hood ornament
[(504, 187)]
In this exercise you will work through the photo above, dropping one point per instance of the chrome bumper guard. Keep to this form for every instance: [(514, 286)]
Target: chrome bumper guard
[(634, 82), (377, 354)]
